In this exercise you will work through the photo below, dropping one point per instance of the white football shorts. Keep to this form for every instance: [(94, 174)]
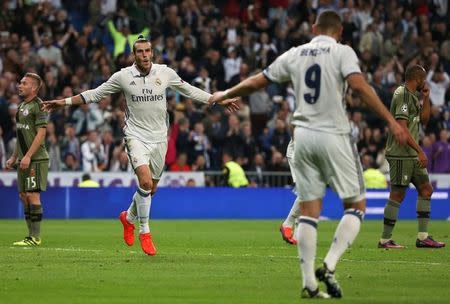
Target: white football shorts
[(290, 158), (325, 159), (150, 154)]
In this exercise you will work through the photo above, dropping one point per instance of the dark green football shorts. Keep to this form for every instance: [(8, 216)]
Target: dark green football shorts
[(33, 179), (405, 171)]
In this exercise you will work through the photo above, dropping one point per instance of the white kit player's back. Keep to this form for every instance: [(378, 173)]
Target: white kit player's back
[(318, 71)]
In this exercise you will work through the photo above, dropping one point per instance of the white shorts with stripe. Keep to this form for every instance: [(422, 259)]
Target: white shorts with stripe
[(290, 158), (326, 159), (150, 154)]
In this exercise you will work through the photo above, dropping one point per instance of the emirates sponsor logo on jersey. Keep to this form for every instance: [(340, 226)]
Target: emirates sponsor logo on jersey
[(147, 95)]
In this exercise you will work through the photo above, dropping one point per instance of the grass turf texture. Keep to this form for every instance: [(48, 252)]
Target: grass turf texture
[(211, 262)]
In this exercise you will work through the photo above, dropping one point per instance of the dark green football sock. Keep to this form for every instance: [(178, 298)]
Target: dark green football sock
[(26, 212), (390, 218), (36, 218), (423, 213)]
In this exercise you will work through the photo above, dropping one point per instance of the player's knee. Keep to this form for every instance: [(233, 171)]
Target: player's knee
[(426, 190), (146, 185), (33, 197), (397, 196)]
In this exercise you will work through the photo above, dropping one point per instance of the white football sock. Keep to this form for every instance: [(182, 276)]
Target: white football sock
[(143, 201), (345, 234), (132, 210), (306, 236), (293, 214)]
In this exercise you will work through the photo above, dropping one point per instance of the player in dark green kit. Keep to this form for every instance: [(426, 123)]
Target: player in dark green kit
[(31, 155), (408, 163)]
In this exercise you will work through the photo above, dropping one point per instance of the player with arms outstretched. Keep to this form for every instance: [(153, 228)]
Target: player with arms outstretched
[(31, 156), (144, 85), (407, 164), (324, 153)]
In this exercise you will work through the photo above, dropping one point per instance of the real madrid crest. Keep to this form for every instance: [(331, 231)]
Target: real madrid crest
[(158, 81), (26, 112), (404, 108), (32, 172)]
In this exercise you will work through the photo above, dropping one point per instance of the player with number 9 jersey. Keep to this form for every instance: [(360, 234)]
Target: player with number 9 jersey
[(318, 71)]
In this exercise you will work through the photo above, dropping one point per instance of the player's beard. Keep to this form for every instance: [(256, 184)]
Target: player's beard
[(142, 68)]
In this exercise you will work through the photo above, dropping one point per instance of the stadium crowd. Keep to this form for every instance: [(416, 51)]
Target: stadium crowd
[(77, 45)]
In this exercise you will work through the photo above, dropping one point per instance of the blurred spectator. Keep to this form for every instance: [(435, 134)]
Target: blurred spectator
[(191, 183), (258, 166), (234, 143), (231, 63), (260, 107), (108, 146), (441, 153), (203, 81), (70, 143), (199, 164), (87, 182), (183, 137), (122, 164), (435, 124), (70, 163), (279, 137), (3, 155), (54, 149), (87, 118), (373, 177), (216, 130), (181, 164), (49, 53), (200, 142), (427, 147), (123, 38), (278, 163), (249, 145), (93, 154), (234, 175), (438, 81)]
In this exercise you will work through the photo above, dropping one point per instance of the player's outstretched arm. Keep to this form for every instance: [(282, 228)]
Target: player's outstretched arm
[(358, 84), (52, 105), (243, 88)]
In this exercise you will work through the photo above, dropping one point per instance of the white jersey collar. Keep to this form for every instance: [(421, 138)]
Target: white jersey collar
[(324, 38)]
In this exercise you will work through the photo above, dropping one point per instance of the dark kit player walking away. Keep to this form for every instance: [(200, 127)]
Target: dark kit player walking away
[(408, 163), (31, 156)]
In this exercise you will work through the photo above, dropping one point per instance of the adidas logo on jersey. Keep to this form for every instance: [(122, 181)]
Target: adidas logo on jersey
[(133, 83)]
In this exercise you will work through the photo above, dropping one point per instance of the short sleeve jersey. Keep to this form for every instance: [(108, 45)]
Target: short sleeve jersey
[(318, 71), (29, 118), (405, 105)]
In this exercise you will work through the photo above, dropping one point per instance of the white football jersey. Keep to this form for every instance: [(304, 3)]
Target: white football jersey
[(146, 106), (318, 72)]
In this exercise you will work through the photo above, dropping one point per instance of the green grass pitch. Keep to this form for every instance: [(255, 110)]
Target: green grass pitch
[(211, 262)]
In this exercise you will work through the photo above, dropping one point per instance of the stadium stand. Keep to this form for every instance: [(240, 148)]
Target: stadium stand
[(76, 45)]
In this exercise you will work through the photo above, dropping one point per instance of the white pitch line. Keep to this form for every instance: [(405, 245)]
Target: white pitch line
[(229, 255), (59, 249)]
